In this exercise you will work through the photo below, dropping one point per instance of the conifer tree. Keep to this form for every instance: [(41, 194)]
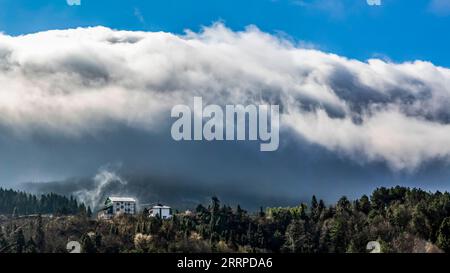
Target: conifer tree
[(19, 241), (40, 235)]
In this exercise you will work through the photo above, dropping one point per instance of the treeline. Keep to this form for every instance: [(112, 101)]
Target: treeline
[(15, 203), (400, 219)]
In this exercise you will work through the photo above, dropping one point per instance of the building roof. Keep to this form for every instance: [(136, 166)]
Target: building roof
[(121, 199), (160, 207)]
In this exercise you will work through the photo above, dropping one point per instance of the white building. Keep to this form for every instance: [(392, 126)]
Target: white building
[(117, 206), (164, 212)]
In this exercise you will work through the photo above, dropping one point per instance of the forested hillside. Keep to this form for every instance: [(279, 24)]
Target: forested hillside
[(400, 219), (20, 203)]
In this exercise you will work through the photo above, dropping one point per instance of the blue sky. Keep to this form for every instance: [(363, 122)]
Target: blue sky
[(398, 30)]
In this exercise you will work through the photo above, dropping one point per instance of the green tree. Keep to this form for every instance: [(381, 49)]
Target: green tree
[(297, 238), (19, 241), (364, 204), (89, 212), (3, 242), (40, 235), (443, 240), (315, 210), (338, 235), (399, 215)]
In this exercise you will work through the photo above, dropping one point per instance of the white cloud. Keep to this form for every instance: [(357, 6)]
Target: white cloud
[(405, 142), (82, 81)]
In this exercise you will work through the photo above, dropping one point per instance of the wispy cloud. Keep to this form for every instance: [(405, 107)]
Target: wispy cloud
[(337, 8), (139, 16)]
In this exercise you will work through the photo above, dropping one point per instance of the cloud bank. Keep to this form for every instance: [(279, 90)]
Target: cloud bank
[(82, 82)]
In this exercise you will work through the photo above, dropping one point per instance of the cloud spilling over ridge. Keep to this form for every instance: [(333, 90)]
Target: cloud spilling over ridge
[(84, 81)]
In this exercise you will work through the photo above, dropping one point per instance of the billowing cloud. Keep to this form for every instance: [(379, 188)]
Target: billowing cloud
[(86, 81)]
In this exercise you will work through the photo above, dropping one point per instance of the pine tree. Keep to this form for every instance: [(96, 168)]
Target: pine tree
[(40, 235), (215, 219), (19, 241), (262, 214), (3, 242), (444, 235), (295, 234), (364, 204), (315, 213), (89, 212)]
